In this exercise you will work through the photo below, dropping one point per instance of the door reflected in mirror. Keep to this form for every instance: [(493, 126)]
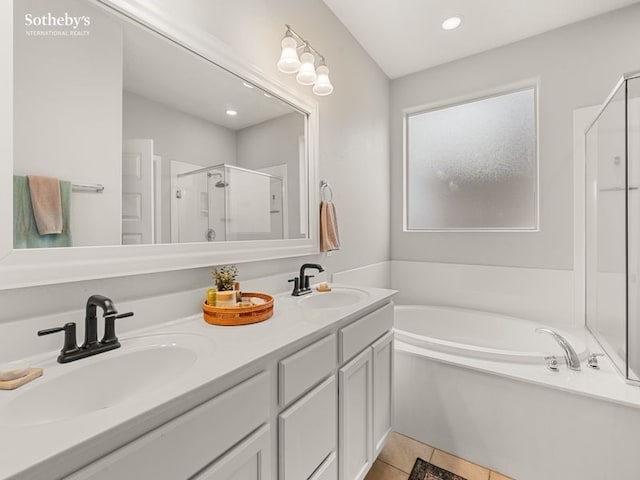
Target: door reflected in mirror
[(150, 142)]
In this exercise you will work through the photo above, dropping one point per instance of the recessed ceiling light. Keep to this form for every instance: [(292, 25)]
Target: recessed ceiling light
[(451, 23), (248, 85), (231, 113)]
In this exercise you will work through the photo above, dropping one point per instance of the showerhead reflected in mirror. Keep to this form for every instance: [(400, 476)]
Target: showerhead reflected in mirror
[(114, 104)]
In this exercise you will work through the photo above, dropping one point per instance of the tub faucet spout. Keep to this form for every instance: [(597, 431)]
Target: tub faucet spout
[(570, 355)]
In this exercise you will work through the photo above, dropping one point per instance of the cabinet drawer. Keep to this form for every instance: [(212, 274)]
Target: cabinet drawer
[(308, 432), (248, 461), (356, 337), (328, 470), (183, 446), (306, 368)]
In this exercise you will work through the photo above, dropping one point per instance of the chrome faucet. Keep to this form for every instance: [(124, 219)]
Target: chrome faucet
[(301, 283), (570, 355)]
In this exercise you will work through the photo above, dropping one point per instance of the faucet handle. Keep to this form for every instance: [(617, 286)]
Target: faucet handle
[(70, 345), (592, 361), (552, 363), (49, 331), (110, 328), (296, 285), (306, 281)]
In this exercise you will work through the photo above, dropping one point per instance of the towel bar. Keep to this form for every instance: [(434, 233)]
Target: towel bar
[(94, 187)]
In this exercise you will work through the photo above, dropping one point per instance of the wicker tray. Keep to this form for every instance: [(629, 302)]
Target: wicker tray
[(239, 315)]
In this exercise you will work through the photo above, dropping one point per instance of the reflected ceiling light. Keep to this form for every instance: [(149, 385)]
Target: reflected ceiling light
[(451, 23), (231, 113), (248, 85), (305, 65), (266, 95)]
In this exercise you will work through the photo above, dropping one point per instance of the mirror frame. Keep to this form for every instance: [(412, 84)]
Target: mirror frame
[(30, 267)]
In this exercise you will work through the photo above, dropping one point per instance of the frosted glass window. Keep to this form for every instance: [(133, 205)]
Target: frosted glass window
[(473, 166)]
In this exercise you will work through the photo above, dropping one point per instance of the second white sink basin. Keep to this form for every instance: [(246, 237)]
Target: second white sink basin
[(336, 298), (141, 365)]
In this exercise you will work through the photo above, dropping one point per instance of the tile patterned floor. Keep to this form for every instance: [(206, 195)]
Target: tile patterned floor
[(399, 454)]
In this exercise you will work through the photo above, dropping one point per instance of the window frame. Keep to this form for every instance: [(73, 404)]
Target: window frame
[(533, 83)]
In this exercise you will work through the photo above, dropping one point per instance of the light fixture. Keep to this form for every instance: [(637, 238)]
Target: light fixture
[(289, 61), (323, 86), (307, 73), (247, 84), (451, 23), (305, 65), (231, 113)]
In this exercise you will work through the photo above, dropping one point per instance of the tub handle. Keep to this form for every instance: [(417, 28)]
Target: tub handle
[(552, 363), (593, 360)]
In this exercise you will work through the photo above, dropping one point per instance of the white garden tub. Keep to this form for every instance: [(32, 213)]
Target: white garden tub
[(477, 334)]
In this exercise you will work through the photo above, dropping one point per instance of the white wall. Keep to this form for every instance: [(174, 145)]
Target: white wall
[(576, 65), (72, 84), (275, 142), (354, 148), (542, 295)]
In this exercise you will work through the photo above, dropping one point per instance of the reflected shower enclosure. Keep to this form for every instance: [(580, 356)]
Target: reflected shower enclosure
[(227, 203), (613, 227)]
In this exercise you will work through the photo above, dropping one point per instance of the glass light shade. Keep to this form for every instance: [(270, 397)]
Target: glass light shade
[(289, 61), (323, 85), (307, 74)]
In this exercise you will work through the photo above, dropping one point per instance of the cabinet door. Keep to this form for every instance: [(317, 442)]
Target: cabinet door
[(355, 424), (307, 432), (250, 460), (382, 390), (182, 447)]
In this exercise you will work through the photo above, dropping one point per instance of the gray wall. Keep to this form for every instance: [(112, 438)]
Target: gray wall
[(354, 146), (577, 65), (61, 86), (275, 142), (177, 135)]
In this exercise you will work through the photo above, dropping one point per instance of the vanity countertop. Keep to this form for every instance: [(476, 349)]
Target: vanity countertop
[(44, 449)]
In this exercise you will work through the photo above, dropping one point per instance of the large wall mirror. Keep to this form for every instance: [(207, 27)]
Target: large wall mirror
[(130, 131)]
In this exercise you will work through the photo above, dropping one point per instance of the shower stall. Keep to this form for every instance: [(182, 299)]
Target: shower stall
[(613, 227), (226, 203)]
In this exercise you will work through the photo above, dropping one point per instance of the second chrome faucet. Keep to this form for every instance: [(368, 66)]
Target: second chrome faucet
[(570, 355)]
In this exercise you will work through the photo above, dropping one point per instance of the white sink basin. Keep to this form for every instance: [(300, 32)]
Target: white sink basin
[(336, 298), (142, 365)]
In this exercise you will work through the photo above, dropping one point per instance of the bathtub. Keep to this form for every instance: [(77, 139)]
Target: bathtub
[(477, 334), (475, 384)]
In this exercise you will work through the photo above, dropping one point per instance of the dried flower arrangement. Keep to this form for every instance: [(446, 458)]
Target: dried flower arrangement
[(225, 277)]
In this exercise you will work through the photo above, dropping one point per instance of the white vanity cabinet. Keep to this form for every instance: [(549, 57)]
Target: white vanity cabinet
[(248, 461), (308, 427), (365, 398), (320, 413), (184, 446)]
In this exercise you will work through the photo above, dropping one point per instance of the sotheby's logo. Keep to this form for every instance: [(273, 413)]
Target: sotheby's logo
[(52, 25)]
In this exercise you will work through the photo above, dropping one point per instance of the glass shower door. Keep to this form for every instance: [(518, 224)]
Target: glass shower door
[(613, 227), (633, 226), (606, 261)]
